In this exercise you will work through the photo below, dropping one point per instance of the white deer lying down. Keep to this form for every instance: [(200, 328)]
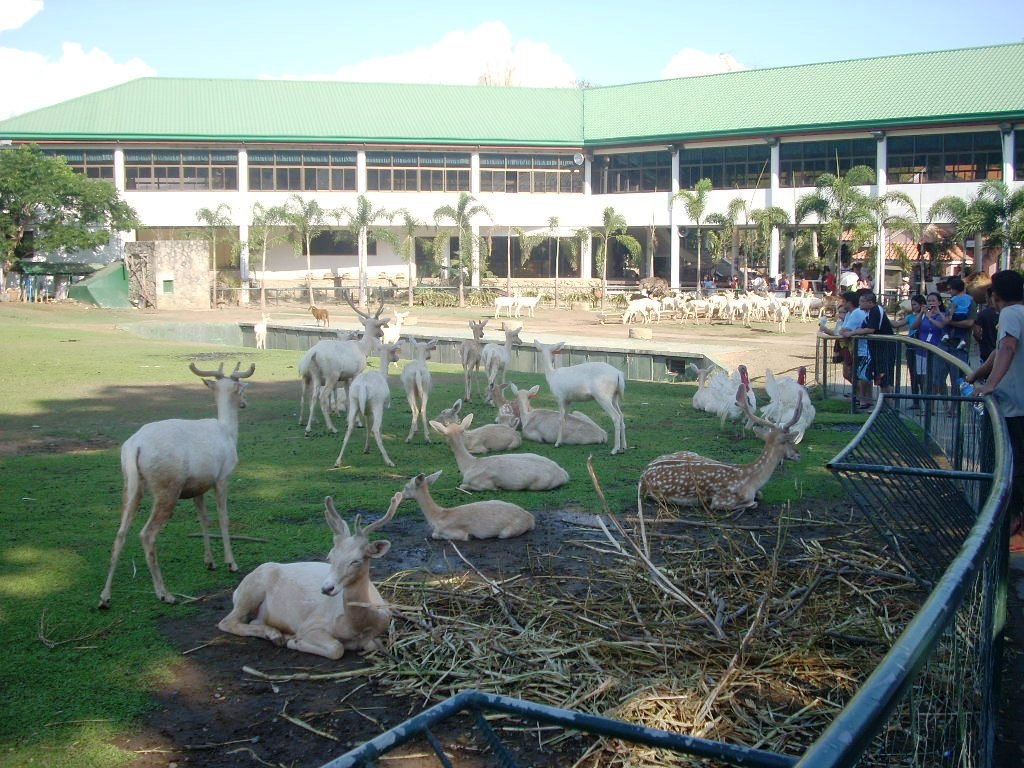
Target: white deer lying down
[(322, 608), (492, 519), (542, 424), (504, 472), (689, 479), (181, 459), (596, 381), (485, 439)]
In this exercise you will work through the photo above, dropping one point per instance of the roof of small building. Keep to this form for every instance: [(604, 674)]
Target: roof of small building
[(964, 85)]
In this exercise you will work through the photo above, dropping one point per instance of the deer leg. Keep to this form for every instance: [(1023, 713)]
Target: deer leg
[(326, 390), (132, 497), (247, 601), (221, 492), (317, 642), (348, 434), (423, 419), (162, 509), (204, 526), (378, 417), (561, 423), (412, 407)]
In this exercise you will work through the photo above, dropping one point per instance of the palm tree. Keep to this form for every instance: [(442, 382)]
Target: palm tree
[(461, 215), (264, 233), (407, 243), (969, 219), (903, 219), (613, 228), (218, 224), (801, 213), (360, 223), (305, 220), (765, 220), (553, 224), (695, 202), (1005, 207)]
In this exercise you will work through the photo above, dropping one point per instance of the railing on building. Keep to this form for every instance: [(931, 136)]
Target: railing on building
[(931, 473)]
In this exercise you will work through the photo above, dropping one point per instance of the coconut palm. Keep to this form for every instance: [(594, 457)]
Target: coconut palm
[(695, 202), (893, 212), (265, 231), (407, 241), (461, 215), (613, 228), (553, 224), (765, 220), (1005, 207), (970, 219), (305, 219), (360, 222), (218, 229)]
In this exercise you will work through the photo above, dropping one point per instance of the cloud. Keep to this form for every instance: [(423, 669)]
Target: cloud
[(689, 62), (14, 13), (75, 73), (484, 54)]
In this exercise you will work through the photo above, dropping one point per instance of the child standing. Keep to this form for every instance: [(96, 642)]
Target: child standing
[(960, 308)]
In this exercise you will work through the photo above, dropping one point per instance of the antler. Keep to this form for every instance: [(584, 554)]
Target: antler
[(356, 309), (218, 374), (236, 375), (392, 508), (741, 402), (796, 415)]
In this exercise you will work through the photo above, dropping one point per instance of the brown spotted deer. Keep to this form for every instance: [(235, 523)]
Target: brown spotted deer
[(491, 519), (689, 479), (321, 608), (506, 471), (485, 439), (181, 459), (470, 354)]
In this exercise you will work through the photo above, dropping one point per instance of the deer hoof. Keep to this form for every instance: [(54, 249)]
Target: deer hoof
[(169, 599)]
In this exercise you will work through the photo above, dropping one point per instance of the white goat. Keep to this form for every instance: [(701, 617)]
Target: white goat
[(687, 478), (485, 439), (477, 520), (643, 308), (470, 356), (341, 361), (496, 357), (417, 383), (393, 330), (260, 332), (181, 459), (542, 425), (508, 303), (321, 608), (368, 396), (600, 382), (529, 303), (507, 471)]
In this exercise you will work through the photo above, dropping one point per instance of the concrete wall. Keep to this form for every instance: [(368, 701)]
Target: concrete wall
[(174, 274)]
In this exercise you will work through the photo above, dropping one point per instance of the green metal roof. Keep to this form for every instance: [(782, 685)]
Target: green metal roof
[(946, 86)]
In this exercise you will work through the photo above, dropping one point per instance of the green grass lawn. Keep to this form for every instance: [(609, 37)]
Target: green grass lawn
[(75, 387)]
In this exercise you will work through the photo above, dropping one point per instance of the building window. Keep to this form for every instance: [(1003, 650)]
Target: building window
[(802, 162), (536, 174), (168, 286), (633, 172), (417, 172), (302, 171), (339, 242), (944, 157), (743, 167), (94, 163), (1018, 155), (180, 170)]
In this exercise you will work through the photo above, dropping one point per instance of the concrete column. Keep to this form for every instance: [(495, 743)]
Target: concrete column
[(1008, 172), (243, 170), (474, 173), (673, 238), (774, 198), (586, 256), (882, 184), (361, 171), (588, 169), (119, 169)]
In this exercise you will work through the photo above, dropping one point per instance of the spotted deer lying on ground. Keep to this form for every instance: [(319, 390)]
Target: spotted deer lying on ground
[(321, 608), (181, 459), (689, 479), (493, 519)]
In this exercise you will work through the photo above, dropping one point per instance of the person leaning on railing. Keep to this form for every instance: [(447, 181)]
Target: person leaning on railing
[(1002, 376)]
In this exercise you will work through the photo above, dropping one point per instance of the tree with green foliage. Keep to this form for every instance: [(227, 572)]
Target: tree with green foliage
[(461, 216), (695, 202), (612, 230), (360, 222), (265, 231), (1005, 209), (970, 219), (65, 210), (305, 220), (765, 220), (553, 224), (406, 247), (218, 229)]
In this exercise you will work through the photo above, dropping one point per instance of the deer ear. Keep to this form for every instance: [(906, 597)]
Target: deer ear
[(467, 421), (534, 390), (438, 427), (431, 479), (377, 548)]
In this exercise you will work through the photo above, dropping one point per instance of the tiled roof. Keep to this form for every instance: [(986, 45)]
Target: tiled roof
[(946, 86)]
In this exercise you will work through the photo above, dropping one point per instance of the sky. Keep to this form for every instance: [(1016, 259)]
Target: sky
[(54, 50)]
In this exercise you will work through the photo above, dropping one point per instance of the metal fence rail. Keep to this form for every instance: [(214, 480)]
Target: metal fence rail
[(932, 476)]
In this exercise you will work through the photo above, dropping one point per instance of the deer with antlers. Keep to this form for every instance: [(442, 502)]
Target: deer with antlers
[(320, 608), (688, 479), (181, 459)]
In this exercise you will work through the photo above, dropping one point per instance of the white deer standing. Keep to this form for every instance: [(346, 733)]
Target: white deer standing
[(507, 471), (596, 381), (260, 332), (181, 459), (321, 608), (368, 396), (687, 478), (496, 357), (417, 383), (470, 355), (491, 519), (393, 331)]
